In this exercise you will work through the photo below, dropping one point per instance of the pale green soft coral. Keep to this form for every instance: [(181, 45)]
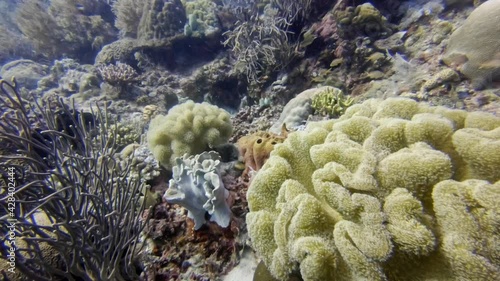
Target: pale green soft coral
[(379, 194), (468, 215), (480, 151), (189, 128), (331, 102)]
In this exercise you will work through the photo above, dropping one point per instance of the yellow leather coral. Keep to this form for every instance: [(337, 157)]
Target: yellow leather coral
[(392, 190), (188, 128)]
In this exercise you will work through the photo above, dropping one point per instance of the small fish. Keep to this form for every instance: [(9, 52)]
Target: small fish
[(80, 7)]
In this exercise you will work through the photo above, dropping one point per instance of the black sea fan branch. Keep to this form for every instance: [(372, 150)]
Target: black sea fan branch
[(77, 213)]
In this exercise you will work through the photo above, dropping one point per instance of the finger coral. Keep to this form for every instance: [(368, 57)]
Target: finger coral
[(391, 190)]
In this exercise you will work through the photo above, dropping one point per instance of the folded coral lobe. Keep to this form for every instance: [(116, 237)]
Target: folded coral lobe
[(391, 190)]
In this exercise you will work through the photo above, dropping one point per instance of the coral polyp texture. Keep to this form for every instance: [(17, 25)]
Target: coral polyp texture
[(189, 128), (391, 190)]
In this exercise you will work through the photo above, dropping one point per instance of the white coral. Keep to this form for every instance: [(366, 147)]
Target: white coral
[(196, 185)]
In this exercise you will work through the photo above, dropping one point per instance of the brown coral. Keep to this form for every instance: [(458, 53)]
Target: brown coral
[(255, 148)]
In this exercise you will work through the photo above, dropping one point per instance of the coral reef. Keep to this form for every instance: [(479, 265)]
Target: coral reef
[(145, 168), (251, 119), (69, 78), (215, 82), (349, 54), (262, 45), (151, 20), (161, 19), (178, 252), (149, 111), (123, 134), (66, 27), (392, 190), (187, 128), (14, 45), (398, 189), (128, 15), (443, 77), (152, 34), (370, 21), (474, 48), (117, 51), (202, 19), (26, 72), (118, 74), (66, 173), (298, 109), (196, 185)]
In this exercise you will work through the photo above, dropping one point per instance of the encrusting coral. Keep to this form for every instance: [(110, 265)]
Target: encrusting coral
[(197, 186), (369, 20), (187, 128), (443, 77), (391, 190)]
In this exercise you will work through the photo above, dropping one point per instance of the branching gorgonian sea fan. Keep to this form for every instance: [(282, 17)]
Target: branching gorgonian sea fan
[(76, 212)]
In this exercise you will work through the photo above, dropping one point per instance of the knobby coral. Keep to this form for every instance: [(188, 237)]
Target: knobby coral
[(392, 190), (188, 128), (202, 19)]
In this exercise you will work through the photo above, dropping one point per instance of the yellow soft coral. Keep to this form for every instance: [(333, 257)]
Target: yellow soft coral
[(187, 128), (468, 214), (370, 196)]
